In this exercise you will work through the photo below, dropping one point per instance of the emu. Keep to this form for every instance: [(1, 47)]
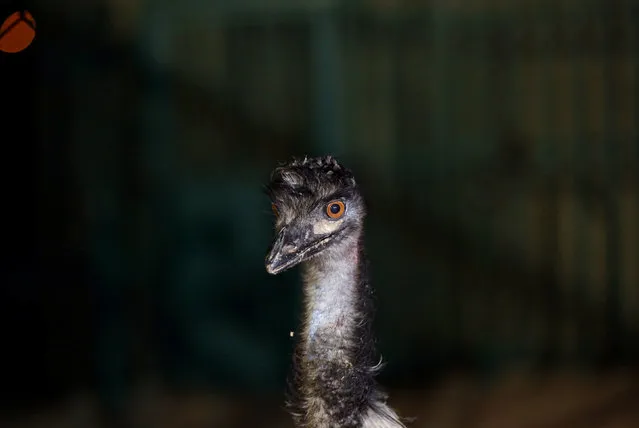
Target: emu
[(319, 213)]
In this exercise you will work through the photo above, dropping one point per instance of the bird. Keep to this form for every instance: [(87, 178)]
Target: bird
[(319, 212)]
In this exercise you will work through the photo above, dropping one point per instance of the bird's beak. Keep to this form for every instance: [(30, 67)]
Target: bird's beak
[(283, 253), (291, 247)]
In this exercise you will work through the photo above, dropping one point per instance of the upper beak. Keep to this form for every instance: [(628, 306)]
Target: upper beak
[(284, 253)]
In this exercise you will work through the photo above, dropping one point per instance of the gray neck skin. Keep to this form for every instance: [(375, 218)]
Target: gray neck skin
[(331, 287)]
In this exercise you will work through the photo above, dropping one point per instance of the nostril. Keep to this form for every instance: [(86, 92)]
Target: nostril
[(288, 249)]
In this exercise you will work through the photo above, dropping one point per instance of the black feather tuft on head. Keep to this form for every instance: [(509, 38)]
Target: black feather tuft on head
[(316, 176)]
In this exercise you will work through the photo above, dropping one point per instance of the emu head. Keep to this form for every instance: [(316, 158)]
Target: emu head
[(317, 206)]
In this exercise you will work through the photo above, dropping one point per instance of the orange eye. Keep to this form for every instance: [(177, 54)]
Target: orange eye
[(275, 211), (335, 209)]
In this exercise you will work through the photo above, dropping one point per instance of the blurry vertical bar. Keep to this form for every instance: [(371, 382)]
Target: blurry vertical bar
[(327, 81), (564, 126), (505, 128), (157, 134), (610, 150), (485, 313), (578, 161), (441, 30), (591, 177), (629, 227), (632, 267), (546, 50)]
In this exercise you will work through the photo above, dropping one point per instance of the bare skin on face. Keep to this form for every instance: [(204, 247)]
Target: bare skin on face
[(325, 227)]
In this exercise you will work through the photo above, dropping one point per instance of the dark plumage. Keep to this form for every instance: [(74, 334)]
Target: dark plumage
[(319, 223)]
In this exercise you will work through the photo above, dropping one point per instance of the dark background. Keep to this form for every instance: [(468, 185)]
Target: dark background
[(496, 142)]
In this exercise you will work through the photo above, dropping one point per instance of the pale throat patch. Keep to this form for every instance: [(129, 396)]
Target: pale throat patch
[(330, 306), (331, 303)]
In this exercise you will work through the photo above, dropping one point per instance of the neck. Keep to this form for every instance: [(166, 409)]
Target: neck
[(334, 359), (331, 288)]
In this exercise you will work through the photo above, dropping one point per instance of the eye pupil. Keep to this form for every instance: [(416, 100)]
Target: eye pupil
[(335, 208)]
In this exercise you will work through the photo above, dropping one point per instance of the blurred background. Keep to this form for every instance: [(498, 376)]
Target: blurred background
[(497, 146)]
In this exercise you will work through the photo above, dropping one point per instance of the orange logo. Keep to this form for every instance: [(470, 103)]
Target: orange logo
[(17, 32)]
